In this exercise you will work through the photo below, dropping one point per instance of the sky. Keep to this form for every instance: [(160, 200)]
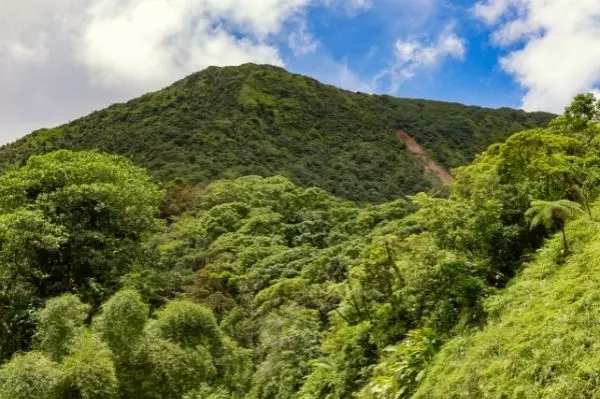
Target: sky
[(62, 59)]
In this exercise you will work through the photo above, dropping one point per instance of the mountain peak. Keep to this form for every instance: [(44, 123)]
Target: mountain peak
[(225, 122)]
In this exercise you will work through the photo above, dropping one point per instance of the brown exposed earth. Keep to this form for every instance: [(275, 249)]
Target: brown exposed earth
[(429, 165)]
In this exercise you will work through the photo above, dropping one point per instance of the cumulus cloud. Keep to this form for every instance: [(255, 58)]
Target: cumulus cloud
[(63, 58), (152, 41), (552, 47), (414, 55), (21, 37)]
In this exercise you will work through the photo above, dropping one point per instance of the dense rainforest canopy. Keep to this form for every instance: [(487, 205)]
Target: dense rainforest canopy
[(224, 123), (113, 285)]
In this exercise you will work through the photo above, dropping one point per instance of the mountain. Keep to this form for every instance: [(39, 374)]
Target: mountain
[(262, 120), (264, 289)]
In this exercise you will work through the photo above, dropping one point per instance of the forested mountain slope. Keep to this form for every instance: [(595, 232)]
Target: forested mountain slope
[(541, 336), (267, 290), (262, 120), (254, 287)]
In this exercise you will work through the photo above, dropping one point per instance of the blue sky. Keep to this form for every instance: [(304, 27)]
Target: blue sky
[(62, 59), (365, 43)]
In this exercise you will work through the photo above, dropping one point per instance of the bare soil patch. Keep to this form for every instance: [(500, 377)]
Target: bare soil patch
[(429, 165)]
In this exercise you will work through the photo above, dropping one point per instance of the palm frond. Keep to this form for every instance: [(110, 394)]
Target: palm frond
[(548, 213)]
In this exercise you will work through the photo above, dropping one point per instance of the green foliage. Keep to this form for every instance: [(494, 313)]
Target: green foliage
[(224, 123), (22, 233), (156, 283), (553, 213), (188, 324), (550, 213), (235, 368), (127, 354), (88, 202), (121, 322), (88, 372), (403, 367), (208, 393), (256, 288), (163, 369), (540, 340), (30, 376), (59, 323), (349, 353), (288, 340), (69, 222), (316, 286), (583, 111)]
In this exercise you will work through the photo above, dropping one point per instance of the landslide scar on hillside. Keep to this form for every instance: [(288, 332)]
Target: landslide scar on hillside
[(429, 165)]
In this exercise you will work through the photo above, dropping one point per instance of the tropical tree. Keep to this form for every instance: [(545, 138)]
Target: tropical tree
[(59, 323), (30, 376), (584, 108), (89, 371), (69, 222), (553, 214), (73, 221)]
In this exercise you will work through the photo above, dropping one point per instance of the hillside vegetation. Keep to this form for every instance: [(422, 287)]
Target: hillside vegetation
[(266, 290), (541, 340), (256, 287), (261, 120)]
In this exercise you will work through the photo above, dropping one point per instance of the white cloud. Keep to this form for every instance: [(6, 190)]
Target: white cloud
[(414, 55), (24, 27), (490, 11), (35, 52), (61, 59), (146, 42), (553, 47), (352, 7), (301, 41), (349, 80)]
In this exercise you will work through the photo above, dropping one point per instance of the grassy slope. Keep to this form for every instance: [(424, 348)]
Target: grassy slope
[(543, 337), (262, 120)]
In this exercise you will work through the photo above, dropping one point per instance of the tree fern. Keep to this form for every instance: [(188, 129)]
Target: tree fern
[(553, 213)]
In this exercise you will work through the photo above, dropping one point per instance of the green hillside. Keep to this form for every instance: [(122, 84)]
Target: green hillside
[(255, 287), (262, 120), (541, 340), (541, 335)]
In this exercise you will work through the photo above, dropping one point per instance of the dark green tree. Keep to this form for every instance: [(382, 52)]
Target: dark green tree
[(69, 222)]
